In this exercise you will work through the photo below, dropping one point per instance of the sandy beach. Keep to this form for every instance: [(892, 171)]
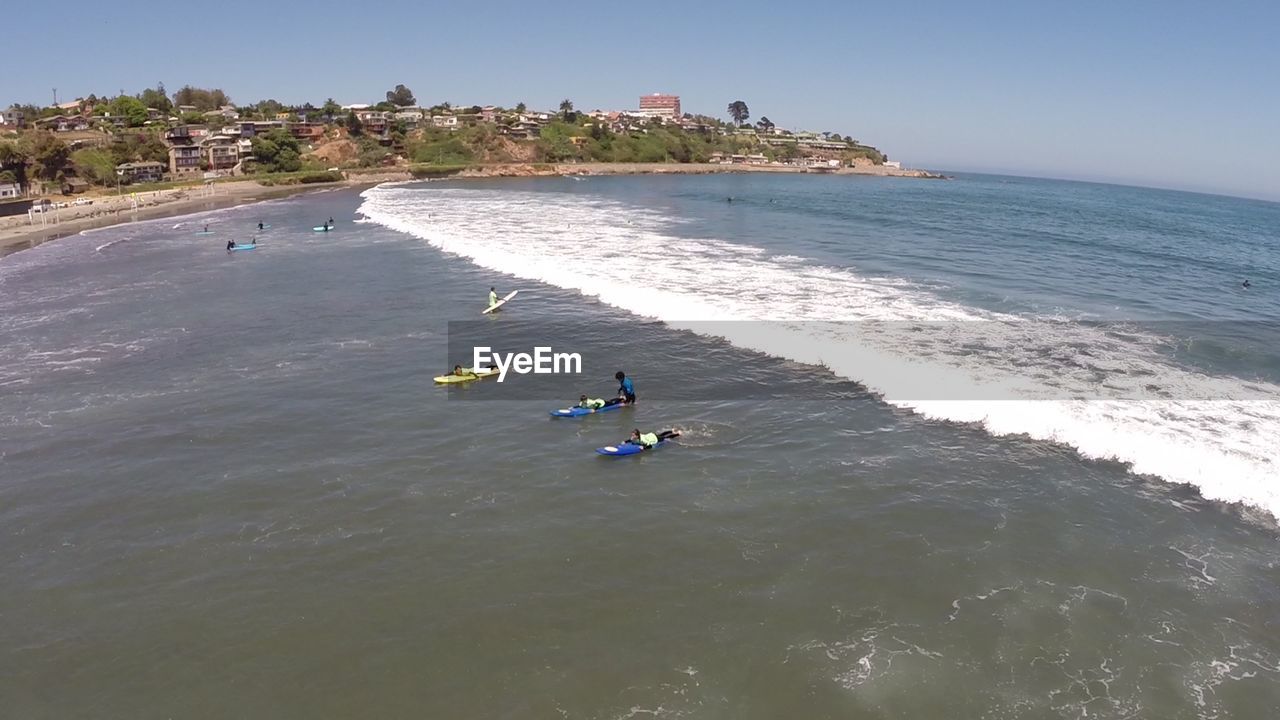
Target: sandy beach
[(18, 233)]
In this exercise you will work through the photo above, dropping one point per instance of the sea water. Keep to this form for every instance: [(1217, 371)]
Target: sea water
[(990, 447)]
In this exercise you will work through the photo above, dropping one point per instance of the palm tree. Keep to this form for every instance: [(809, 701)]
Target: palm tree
[(739, 112), (566, 108)]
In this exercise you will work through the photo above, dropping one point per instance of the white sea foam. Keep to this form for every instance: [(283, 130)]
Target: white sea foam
[(1111, 395)]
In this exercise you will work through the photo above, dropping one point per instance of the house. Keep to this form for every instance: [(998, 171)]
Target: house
[(307, 132), (221, 152), (253, 128), (12, 118), (154, 115), (63, 123), (489, 114), (8, 191), (895, 164), (184, 160), (374, 121), (409, 116), (73, 185), (524, 128), (140, 172), (448, 122), (184, 149)]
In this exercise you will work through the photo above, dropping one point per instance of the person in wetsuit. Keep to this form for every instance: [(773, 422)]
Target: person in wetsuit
[(626, 388)]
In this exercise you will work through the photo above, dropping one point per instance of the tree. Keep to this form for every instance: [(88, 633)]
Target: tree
[(95, 165), (520, 108), (277, 151), (47, 153), (156, 98), (129, 108), (14, 161), (331, 109), (739, 112), (268, 108), (401, 96), (203, 100), (765, 124), (566, 109), (354, 126)]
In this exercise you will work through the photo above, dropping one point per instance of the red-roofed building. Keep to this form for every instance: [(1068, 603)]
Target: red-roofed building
[(658, 105)]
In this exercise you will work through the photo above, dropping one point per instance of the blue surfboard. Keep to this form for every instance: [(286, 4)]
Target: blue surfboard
[(243, 247), (204, 232), (580, 411), (628, 448)]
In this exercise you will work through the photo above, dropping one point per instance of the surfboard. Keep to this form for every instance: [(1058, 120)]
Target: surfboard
[(580, 411), (500, 303), (627, 448), (470, 376), (204, 232), (243, 247), (320, 228), (266, 225)]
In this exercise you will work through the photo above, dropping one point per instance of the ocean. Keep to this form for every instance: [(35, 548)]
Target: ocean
[(990, 447)]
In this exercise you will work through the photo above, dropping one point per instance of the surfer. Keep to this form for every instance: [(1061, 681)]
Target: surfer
[(461, 371), (260, 227), (206, 228), (330, 220), (231, 245), (493, 297), (596, 403), (1246, 285), (648, 440), (626, 388)]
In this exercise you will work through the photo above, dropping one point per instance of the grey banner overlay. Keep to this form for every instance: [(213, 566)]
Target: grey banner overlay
[(904, 361)]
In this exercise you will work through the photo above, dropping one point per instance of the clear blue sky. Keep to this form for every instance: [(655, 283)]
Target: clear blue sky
[(1171, 94)]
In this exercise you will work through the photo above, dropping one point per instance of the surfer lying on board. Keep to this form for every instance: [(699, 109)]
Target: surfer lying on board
[(463, 372), (596, 403), (648, 440)]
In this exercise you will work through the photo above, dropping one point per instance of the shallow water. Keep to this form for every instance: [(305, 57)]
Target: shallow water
[(228, 485)]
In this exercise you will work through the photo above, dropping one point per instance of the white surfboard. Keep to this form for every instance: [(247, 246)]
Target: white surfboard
[(500, 303)]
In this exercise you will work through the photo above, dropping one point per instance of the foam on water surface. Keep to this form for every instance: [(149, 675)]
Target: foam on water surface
[(1109, 395)]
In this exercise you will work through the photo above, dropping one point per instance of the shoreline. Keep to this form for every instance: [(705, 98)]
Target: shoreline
[(16, 234)]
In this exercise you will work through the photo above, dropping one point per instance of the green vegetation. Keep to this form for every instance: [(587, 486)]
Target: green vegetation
[(203, 100), (277, 151), (156, 98), (305, 177), (401, 97)]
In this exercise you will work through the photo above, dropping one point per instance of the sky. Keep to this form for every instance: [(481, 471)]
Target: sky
[(1175, 94)]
